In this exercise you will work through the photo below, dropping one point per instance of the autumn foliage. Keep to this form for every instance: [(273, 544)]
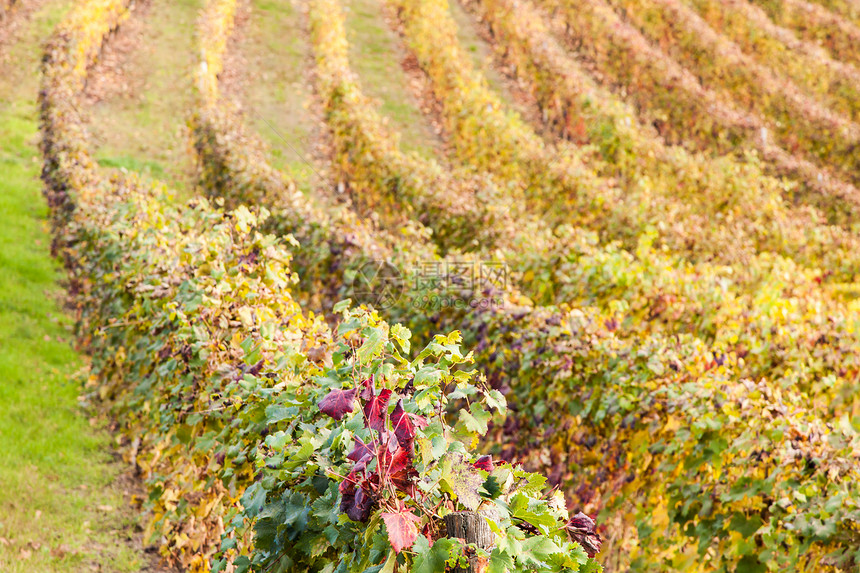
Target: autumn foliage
[(664, 368), (266, 437)]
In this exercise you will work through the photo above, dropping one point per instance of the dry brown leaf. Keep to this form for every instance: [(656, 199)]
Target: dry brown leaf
[(61, 551)]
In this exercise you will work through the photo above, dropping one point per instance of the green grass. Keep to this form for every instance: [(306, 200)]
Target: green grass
[(148, 168), (376, 55), (60, 507), (51, 461)]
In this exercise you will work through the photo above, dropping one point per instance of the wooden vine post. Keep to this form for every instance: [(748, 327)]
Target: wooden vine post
[(473, 528)]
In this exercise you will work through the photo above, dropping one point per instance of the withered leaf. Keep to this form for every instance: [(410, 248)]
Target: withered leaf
[(582, 530), (462, 479)]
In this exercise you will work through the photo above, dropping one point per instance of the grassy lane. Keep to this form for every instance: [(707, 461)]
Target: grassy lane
[(265, 70), (60, 507), (480, 50), (140, 92), (376, 55)]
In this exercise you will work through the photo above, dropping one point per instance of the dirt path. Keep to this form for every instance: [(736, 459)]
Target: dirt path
[(64, 502)]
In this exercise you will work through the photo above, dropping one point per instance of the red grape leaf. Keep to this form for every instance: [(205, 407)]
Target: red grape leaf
[(396, 467), (355, 501), (404, 425), (361, 464), (360, 450), (337, 403), (402, 529), (404, 480), (394, 461), (376, 409), (347, 487), (368, 391), (484, 463)]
